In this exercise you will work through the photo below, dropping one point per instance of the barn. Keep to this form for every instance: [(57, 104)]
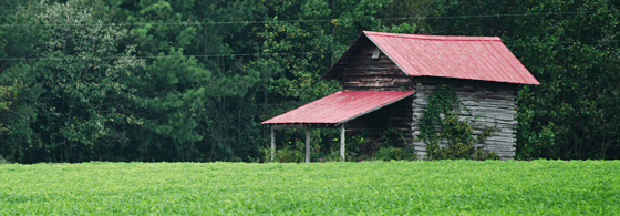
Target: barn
[(388, 77)]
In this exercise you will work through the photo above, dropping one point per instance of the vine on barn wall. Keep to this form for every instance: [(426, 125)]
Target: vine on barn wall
[(458, 134)]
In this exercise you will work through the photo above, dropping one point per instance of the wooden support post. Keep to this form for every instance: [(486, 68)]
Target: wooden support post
[(307, 145), (273, 143), (342, 141)]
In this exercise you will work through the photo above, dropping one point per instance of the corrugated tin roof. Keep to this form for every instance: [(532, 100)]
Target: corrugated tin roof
[(459, 57), (339, 107)]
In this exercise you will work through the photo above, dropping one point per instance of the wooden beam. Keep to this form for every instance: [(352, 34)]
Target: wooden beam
[(273, 143), (342, 141), (307, 145)]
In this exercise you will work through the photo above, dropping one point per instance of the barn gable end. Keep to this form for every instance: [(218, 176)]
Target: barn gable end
[(365, 67)]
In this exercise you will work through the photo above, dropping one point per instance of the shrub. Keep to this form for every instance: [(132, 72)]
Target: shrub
[(289, 155), (393, 153), (3, 160)]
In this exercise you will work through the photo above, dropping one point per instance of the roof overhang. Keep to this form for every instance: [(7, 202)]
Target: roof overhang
[(339, 108)]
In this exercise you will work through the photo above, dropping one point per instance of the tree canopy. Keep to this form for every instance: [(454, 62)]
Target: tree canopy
[(186, 80)]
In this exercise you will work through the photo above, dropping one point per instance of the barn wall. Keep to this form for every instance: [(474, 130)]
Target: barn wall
[(485, 105), (365, 73)]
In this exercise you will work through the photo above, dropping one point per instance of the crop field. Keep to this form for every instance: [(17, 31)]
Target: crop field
[(373, 188)]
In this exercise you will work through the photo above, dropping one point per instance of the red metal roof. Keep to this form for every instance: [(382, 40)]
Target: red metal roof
[(339, 107), (473, 58)]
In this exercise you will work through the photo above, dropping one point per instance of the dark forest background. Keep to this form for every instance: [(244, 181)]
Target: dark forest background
[(186, 80)]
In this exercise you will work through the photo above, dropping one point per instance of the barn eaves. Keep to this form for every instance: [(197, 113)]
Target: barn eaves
[(333, 111)]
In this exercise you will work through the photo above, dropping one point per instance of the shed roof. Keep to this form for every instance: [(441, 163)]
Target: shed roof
[(459, 57), (339, 107)]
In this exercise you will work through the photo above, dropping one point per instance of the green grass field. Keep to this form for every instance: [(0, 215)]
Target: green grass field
[(375, 188)]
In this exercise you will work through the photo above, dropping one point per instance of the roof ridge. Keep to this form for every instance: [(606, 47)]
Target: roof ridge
[(433, 37)]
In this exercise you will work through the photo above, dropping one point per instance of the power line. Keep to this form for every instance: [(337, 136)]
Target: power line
[(170, 56), (269, 54), (12, 25), (554, 43)]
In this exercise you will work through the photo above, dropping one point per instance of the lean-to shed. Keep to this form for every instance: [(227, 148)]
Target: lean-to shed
[(386, 78)]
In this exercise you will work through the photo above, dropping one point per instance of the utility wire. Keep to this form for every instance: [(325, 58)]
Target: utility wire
[(13, 25), (553, 43), (171, 56), (268, 54)]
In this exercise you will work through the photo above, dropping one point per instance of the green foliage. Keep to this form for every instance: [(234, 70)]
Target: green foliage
[(289, 155), (394, 153), (401, 28), (370, 188), (5, 96), (3, 160), (19, 91), (458, 134), (95, 100)]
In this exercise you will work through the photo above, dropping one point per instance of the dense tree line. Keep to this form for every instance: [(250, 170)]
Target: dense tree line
[(186, 80)]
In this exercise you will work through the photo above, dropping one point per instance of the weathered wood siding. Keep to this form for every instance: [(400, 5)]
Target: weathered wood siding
[(365, 73), (485, 106)]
